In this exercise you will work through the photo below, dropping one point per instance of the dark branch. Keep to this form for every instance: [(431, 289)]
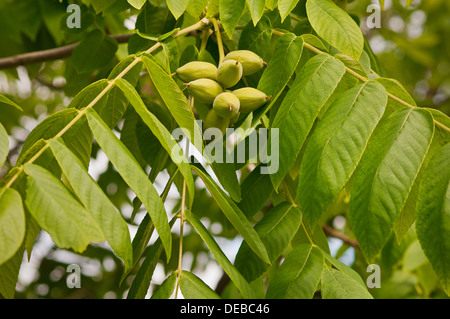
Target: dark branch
[(331, 232), (49, 55)]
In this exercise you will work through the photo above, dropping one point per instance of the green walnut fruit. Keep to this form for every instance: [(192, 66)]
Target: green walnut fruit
[(226, 105), (204, 90), (229, 73), (214, 120), (250, 99), (196, 70), (251, 62)]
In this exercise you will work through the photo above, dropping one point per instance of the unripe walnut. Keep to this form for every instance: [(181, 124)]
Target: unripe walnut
[(204, 90), (196, 70), (226, 105), (229, 73), (251, 62), (250, 99)]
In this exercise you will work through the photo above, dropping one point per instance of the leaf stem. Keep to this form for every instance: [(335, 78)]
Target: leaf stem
[(219, 41), (183, 204)]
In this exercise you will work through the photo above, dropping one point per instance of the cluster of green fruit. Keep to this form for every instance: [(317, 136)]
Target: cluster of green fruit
[(208, 84)]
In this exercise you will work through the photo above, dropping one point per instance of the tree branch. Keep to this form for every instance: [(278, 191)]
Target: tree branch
[(331, 232), (49, 55)]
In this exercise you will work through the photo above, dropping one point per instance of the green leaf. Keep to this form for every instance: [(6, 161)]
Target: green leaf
[(133, 175), (4, 145), (285, 7), (299, 109), (58, 212), (287, 53), (96, 202), (344, 268), (256, 8), (235, 276), (256, 190), (433, 215), (386, 174), (276, 229), (255, 38), (337, 145), (177, 7), (171, 95), (78, 138), (212, 8), (395, 88), (94, 52), (163, 135), (138, 4), (235, 216), (335, 26), (338, 285), (141, 283), (195, 7), (9, 273), (299, 275), (167, 287), (155, 21), (5, 100), (193, 287), (132, 75), (230, 13), (12, 223)]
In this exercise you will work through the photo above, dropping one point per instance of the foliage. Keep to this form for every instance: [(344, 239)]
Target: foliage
[(353, 146)]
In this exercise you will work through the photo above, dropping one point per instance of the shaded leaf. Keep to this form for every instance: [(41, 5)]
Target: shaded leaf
[(256, 190), (94, 52), (276, 229), (5, 100)]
